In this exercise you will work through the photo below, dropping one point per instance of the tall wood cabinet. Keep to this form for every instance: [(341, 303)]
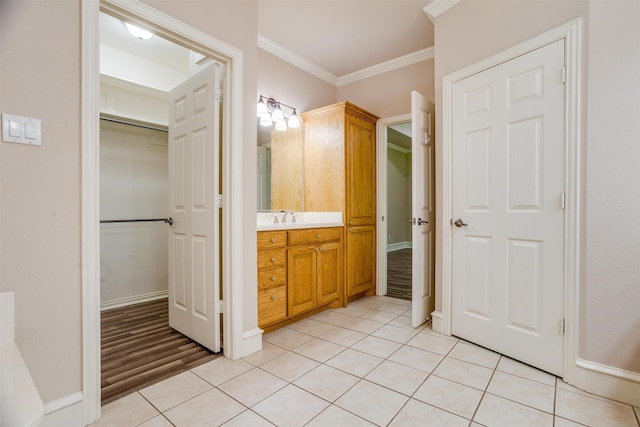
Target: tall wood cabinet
[(340, 176)]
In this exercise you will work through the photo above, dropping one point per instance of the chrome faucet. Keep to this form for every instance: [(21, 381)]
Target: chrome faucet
[(284, 217)]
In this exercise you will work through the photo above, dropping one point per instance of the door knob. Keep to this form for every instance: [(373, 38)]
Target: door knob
[(422, 221), (459, 223)]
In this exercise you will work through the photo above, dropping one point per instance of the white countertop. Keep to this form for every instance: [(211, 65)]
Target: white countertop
[(265, 220)]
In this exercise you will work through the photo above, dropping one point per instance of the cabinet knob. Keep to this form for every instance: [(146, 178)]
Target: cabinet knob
[(273, 278), (317, 236), (273, 260), (273, 240), (273, 297)]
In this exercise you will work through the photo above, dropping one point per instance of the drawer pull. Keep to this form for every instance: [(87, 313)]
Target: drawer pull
[(273, 240), (273, 260), (273, 278), (273, 297)]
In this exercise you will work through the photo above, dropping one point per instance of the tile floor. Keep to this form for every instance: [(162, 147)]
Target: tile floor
[(363, 366)]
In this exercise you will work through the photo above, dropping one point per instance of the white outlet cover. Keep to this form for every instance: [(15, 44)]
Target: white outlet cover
[(21, 130)]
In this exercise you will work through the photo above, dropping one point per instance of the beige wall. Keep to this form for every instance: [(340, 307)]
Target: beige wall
[(610, 212), (398, 196), (40, 192)]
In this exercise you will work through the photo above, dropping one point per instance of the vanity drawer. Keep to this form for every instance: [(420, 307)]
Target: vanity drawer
[(272, 305), (271, 258), (272, 278), (314, 235), (272, 239)]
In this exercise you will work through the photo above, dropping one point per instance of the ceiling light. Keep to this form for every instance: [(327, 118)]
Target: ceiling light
[(138, 33), (270, 111)]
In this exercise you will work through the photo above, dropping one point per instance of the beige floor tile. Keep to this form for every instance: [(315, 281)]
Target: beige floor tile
[(392, 307), (290, 407), (432, 343), (499, 412), (450, 396), (376, 346), (248, 419), (289, 366), (416, 358), (319, 350), (395, 333), (474, 354), (522, 390), (333, 317), (311, 327), (519, 369), (372, 402), (268, 352), (564, 386), (403, 321), (369, 302), (420, 414), (129, 410), (428, 329), (379, 316), (221, 370), (287, 338), (211, 408), (334, 416), (397, 377), (342, 336), (175, 390), (327, 382), (593, 412), (562, 422), (157, 421), (352, 310), (354, 362), (252, 386), (363, 325), (466, 373)]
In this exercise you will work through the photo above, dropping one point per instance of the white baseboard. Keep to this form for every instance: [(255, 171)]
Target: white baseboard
[(251, 341), (608, 381), (392, 247), (136, 299), (64, 412), (436, 321)]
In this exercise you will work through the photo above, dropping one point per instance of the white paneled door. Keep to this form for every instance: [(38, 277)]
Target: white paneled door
[(193, 187), (423, 220), (508, 200)]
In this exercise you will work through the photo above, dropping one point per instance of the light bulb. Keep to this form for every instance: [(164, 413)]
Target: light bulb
[(277, 114), (262, 108), (138, 33), (294, 120), (281, 125)]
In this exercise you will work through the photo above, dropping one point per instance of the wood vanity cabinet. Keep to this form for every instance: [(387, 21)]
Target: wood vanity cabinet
[(340, 176), (299, 271)]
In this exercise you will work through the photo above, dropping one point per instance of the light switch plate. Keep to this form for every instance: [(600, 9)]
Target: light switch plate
[(21, 130)]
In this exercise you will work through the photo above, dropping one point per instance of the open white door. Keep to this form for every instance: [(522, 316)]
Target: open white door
[(508, 208), (193, 185), (422, 200)]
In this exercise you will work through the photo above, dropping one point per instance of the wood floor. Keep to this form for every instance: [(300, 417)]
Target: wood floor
[(138, 348), (399, 274)]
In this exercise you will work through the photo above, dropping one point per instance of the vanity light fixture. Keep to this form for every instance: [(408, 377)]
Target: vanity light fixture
[(270, 111), (137, 32)]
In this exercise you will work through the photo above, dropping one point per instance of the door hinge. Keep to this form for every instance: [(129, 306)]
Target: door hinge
[(563, 326), (563, 198), (219, 200), (221, 306), (564, 74), (220, 95)]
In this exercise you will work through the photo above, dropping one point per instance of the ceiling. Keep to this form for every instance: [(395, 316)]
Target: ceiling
[(339, 36)]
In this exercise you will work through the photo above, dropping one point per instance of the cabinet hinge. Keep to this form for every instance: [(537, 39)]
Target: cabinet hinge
[(221, 306), (563, 326), (564, 74), (219, 200), (563, 203)]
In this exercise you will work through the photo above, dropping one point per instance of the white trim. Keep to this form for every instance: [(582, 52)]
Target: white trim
[(436, 321), (66, 411), (395, 147), (381, 198), (136, 299), (392, 247), (232, 177), (252, 341), (570, 32), (608, 381), (386, 66), (295, 59), (437, 7)]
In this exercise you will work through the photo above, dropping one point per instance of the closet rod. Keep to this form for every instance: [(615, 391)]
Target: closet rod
[(167, 220), (140, 124)]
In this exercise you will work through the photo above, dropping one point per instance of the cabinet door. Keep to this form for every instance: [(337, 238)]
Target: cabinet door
[(361, 259), (360, 172), (329, 272), (301, 276)]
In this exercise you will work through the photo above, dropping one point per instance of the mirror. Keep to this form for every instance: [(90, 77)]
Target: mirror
[(279, 169)]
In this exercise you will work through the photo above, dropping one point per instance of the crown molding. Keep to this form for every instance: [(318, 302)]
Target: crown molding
[(392, 146), (390, 65), (436, 7), (295, 59)]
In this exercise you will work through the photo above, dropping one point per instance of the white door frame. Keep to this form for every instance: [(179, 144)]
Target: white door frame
[(232, 143), (571, 33), (381, 208)]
